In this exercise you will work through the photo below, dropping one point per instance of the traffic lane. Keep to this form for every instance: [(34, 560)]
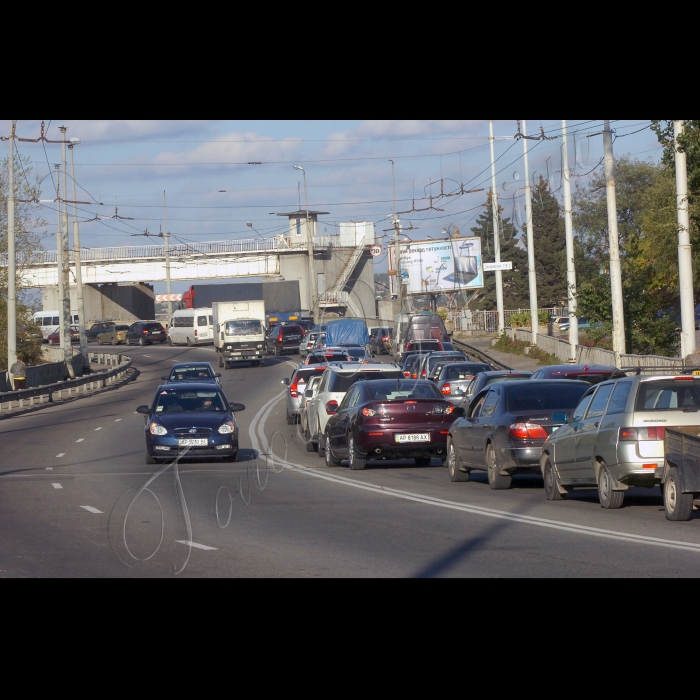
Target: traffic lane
[(642, 517)]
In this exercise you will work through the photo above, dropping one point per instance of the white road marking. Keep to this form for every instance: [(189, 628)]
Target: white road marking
[(63, 454), (90, 509), (257, 434), (147, 356), (81, 440), (49, 469), (194, 544), (96, 429), (119, 420), (57, 486)]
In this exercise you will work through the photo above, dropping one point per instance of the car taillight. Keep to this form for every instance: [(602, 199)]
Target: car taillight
[(332, 408), (634, 434), (446, 389), (195, 332), (369, 412), (279, 338), (439, 345), (146, 332), (528, 431), (409, 346), (423, 374), (407, 374), (385, 339), (294, 391)]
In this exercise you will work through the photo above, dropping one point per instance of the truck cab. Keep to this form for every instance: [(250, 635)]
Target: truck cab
[(239, 333)]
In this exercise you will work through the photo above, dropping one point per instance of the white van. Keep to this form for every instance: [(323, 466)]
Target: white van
[(191, 327), (51, 320)]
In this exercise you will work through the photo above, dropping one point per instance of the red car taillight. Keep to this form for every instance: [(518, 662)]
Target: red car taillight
[(195, 332), (634, 434), (439, 345), (407, 374), (332, 408), (528, 431), (423, 374), (294, 391), (409, 346), (385, 339), (145, 332), (447, 389)]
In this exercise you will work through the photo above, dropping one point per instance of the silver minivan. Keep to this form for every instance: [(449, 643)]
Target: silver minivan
[(614, 439)]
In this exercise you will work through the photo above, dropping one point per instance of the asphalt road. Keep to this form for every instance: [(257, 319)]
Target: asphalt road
[(77, 499)]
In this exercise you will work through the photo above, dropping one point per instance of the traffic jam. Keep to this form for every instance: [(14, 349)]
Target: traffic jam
[(588, 427)]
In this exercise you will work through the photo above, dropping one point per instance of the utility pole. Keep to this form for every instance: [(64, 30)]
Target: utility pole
[(59, 252), (685, 261), (496, 236), (78, 257), (397, 242), (570, 267), (66, 319), (166, 238), (11, 261), (532, 272), (618, 311), (313, 288)]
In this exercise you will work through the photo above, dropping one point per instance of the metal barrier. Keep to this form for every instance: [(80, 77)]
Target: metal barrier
[(120, 365), (481, 356)]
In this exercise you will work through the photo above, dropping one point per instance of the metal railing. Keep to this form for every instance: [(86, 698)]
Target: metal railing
[(119, 364)]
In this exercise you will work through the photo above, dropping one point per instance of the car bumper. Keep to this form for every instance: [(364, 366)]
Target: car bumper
[(168, 446), (634, 473), (521, 457), (384, 446)]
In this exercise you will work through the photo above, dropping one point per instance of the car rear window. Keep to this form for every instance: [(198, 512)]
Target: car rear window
[(303, 375), (154, 327), (291, 330), (122, 328), (505, 378), (668, 395), (541, 397), (457, 371), (392, 391), (340, 383), (592, 379)]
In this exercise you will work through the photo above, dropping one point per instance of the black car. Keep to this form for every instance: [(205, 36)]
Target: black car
[(285, 339), (381, 341), (484, 379), (193, 372), (97, 328), (505, 427), (411, 364), (146, 333), (193, 419)]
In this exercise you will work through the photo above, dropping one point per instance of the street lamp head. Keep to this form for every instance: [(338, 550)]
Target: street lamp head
[(297, 167), (75, 141), (249, 224)]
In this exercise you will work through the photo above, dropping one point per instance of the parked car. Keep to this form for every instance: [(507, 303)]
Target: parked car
[(114, 335), (505, 427), (193, 372), (484, 379), (593, 374), (327, 355), (55, 337), (146, 333), (97, 328), (296, 386), (307, 344), (381, 341), (557, 322), (455, 377), (285, 339), (614, 438), (428, 364), (334, 385), (193, 419), (388, 420)]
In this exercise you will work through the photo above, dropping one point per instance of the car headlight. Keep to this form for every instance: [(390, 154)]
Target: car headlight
[(227, 428), (157, 429), (259, 346)]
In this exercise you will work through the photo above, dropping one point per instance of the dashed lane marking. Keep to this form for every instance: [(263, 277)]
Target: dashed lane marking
[(90, 509), (49, 469), (96, 429), (63, 454), (119, 420), (57, 486), (198, 546)]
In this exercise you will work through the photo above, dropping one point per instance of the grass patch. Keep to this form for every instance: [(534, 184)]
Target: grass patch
[(517, 347)]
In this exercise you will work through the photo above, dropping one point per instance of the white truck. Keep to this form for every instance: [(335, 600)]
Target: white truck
[(239, 332)]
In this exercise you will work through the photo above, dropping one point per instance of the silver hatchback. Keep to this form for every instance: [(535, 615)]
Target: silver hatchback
[(614, 439)]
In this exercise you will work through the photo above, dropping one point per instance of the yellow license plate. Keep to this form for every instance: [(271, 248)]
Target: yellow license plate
[(696, 373)]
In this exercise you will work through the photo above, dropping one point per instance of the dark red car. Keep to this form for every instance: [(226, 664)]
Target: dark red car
[(593, 374), (55, 337), (389, 419)]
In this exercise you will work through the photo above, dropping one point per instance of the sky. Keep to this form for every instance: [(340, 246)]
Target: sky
[(213, 188)]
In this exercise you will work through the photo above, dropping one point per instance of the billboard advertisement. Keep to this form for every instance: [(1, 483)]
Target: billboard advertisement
[(439, 267)]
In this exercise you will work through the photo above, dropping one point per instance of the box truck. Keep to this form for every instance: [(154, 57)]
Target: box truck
[(239, 332)]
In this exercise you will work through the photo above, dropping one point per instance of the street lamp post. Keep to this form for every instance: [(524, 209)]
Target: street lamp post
[(65, 272), (78, 258), (11, 263), (313, 288)]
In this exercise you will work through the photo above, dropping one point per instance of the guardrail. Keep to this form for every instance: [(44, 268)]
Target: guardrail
[(120, 365), (479, 355)]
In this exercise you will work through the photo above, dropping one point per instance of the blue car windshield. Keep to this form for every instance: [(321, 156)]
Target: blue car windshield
[(187, 401)]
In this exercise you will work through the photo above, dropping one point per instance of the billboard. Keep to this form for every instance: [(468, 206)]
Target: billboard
[(438, 267)]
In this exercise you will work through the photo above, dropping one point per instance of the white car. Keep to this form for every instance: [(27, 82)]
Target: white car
[(334, 385)]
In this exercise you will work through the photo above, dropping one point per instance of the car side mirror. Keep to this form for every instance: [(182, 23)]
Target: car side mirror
[(144, 410), (560, 418), (236, 407), (218, 376), (165, 379), (309, 393), (285, 382), (459, 412)]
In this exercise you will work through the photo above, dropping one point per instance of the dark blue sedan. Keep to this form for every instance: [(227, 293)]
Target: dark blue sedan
[(192, 419)]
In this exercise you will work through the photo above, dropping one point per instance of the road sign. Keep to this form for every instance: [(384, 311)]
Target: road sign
[(493, 267), (376, 251), (168, 297)]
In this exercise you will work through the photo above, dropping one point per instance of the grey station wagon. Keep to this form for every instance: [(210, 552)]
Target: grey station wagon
[(614, 439)]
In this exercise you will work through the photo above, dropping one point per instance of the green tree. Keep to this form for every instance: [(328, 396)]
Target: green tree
[(516, 294)]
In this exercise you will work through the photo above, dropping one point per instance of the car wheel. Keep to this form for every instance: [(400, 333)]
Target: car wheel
[(149, 459), (310, 446), (232, 458), (497, 481), (189, 343), (50, 342), (99, 342), (609, 499), (453, 467), (321, 448), (357, 461), (423, 461), (142, 342), (170, 341), (114, 341), (331, 461), (551, 483), (278, 352), (678, 505), (290, 420)]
